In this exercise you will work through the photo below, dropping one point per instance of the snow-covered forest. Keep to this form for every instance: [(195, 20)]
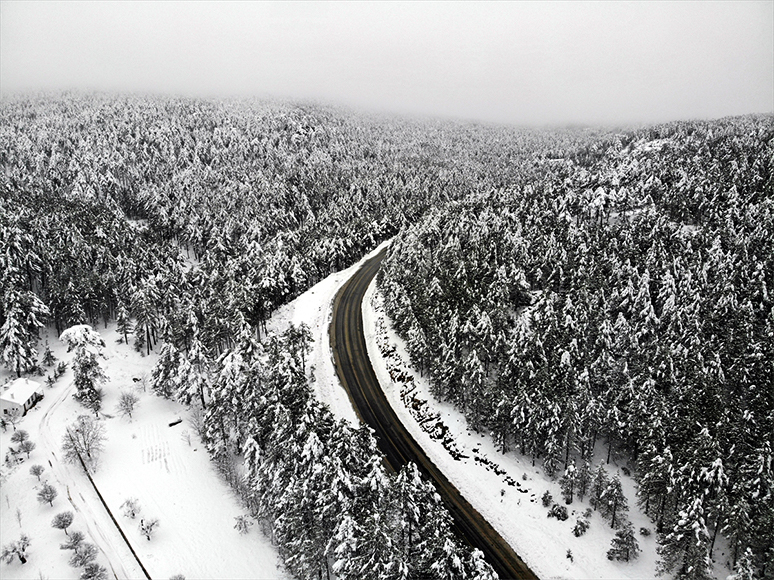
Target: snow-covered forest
[(563, 288), (620, 294)]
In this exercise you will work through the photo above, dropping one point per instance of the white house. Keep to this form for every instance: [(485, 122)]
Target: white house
[(21, 394)]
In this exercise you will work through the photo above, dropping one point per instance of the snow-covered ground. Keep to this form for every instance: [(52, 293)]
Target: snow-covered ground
[(144, 458)]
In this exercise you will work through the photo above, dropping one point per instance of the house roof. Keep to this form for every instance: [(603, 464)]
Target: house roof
[(20, 390)]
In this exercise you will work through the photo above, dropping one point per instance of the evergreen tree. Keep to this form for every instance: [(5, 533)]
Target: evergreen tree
[(598, 486), (24, 314), (744, 568), (88, 372), (614, 501), (164, 376), (48, 357), (684, 550), (583, 480), (624, 545), (124, 324), (568, 483), (194, 374)]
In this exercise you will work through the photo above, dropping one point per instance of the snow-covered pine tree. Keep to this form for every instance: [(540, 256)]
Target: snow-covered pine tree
[(194, 374), (24, 315), (124, 324), (684, 550), (568, 483), (614, 501), (583, 480), (224, 415), (599, 483), (87, 371), (624, 545)]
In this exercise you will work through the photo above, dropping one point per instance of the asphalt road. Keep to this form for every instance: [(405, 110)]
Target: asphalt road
[(357, 376)]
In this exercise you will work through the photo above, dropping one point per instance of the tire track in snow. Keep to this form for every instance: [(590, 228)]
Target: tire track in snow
[(98, 524)]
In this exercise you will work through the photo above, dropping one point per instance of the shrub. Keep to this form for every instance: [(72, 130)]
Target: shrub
[(558, 511), (580, 528), (547, 499)]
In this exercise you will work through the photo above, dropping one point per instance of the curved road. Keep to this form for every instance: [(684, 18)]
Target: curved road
[(357, 375)]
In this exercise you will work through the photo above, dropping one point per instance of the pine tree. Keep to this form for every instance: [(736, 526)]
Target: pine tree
[(48, 357), (583, 480), (614, 501), (164, 376), (685, 549), (194, 374), (124, 324), (744, 569), (19, 333), (624, 545), (87, 371), (568, 483), (598, 485)]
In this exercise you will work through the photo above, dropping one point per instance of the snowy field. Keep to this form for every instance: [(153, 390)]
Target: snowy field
[(144, 458)]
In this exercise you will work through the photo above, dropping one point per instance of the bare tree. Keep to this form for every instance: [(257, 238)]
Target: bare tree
[(20, 436), (37, 471), (17, 548), (48, 494), (93, 571), (26, 447), (148, 527), (126, 403), (131, 507), (13, 417), (62, 521), (84, 554), (84, 440), (243, 524), (75, 540)]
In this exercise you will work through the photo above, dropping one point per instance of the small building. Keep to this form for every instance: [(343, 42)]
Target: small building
[(21, 395)]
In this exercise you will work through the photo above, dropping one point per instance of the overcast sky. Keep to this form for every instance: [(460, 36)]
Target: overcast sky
[(521, 62)]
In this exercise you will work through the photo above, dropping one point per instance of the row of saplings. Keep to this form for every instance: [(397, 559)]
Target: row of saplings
[(83, 554), (605, 496)]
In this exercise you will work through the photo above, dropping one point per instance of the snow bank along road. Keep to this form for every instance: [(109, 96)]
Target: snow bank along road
[(358, 378)]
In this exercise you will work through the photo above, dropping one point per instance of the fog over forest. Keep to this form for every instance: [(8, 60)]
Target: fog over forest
[(522, 62)]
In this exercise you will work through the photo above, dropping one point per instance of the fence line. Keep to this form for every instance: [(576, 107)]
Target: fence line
[(120, 531)]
